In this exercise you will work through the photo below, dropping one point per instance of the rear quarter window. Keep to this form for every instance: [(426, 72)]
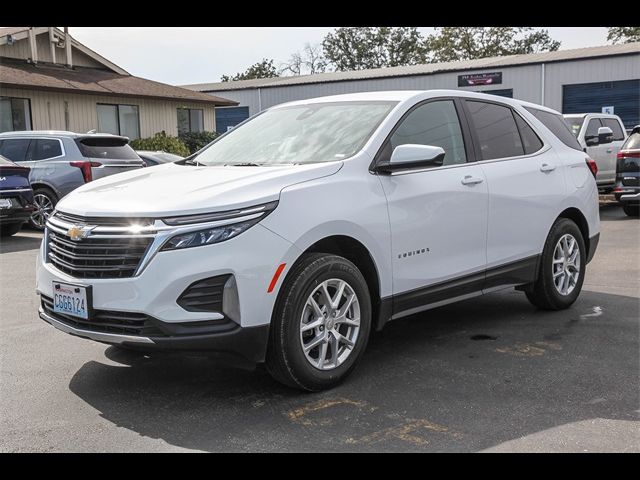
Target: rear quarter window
[(556, 123), (111, 148)]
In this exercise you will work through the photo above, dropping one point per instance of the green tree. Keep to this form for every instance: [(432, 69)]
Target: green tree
[(623, 34), (263, 69), (358, 48), (465, 43)]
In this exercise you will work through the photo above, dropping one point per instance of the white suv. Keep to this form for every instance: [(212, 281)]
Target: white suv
[(290, 238)]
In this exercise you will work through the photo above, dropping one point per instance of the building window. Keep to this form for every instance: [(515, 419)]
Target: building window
[(119, 120), (15, 114), (190, 120)]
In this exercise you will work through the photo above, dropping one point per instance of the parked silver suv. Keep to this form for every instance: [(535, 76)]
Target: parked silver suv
[(62, 161)]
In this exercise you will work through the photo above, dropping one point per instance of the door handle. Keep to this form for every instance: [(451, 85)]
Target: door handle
[(470, 180), (609, 150), (547, 167)]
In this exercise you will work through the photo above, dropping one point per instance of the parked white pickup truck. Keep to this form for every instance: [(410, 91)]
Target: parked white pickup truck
[(601, 136)]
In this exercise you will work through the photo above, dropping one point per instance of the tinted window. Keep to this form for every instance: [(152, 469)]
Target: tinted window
[(496, 129), (434, 123), (530, 140), (632, 143), (113, 148), (614, 125), (45, 148), (557, 125), (15, 149)]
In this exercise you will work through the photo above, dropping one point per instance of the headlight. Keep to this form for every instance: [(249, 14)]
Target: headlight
[(233, 222), (208, 236)]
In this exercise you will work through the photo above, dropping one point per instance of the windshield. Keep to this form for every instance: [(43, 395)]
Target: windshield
[(574, 124), (312, 133)]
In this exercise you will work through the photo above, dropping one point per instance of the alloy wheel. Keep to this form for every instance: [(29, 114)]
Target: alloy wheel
[(44, 208), (330, 324), (566, 264)]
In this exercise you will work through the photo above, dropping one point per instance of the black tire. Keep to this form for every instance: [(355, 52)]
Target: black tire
[(544, 293), (11, 229), (53, 199), (631, 210), (285, 360)]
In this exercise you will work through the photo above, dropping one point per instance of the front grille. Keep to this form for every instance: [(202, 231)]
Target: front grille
[(204, 295), (104, 221), (123, 323), (96, 257)]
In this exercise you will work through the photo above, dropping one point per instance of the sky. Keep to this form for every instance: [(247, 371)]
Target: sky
[(183, 55)]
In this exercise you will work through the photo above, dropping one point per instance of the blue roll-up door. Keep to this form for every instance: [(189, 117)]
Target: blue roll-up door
[(505, 92), (227, 117), (623, 96)]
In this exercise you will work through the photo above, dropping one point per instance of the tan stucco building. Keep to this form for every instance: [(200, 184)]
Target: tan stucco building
[(50, 81)]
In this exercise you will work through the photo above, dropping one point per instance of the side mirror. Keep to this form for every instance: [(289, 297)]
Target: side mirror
[(605, 135), (410, 156)]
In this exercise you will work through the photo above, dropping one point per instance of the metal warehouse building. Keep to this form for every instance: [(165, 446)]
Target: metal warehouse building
[(594, 79)]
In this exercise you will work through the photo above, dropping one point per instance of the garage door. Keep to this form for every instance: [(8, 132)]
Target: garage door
[(623, 96), (506, 92), (229, 117)]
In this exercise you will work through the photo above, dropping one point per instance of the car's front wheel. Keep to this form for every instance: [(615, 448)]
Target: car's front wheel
[(45, 202), (562, 268), (631, 210), (321, 323)]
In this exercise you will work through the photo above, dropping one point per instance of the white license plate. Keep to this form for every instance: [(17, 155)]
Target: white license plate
[(70, 300), (5, 203)]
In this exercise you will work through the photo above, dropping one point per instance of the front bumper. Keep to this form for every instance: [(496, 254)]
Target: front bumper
[(250, 258), (250, 344)]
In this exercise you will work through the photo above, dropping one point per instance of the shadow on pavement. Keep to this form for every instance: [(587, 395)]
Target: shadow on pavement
[(20, 242), (460, 378)]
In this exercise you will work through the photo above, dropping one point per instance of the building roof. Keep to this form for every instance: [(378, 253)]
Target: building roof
[(425, 69), (17, 73)]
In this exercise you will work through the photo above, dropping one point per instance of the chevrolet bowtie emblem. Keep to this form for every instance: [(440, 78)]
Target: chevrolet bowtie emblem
[(78, 232)]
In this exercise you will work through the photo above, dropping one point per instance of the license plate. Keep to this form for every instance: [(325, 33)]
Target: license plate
[(5, 203), (70, 300)]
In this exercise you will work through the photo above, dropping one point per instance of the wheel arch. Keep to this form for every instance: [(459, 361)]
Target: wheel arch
[(39, 184), (356, 252), (580, 220)]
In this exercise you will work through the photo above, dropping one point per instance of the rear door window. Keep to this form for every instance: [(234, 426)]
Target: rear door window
[(615, 127), (44, 148), (496, 129), (15, 149), (557, 125), (110, 148)]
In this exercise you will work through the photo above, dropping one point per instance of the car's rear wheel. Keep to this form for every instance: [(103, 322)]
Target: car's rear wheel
[(11, 229), (562, 268), (631, 210), (45, 201), (321, 323)]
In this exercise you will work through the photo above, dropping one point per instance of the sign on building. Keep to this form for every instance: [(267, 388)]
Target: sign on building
[(608, 110), (475, 79)]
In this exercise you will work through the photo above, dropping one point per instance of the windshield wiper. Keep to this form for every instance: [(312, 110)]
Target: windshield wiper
[(243, 164)]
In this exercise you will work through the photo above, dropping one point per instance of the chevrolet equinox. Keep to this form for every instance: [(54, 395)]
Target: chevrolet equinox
[(290, 238)]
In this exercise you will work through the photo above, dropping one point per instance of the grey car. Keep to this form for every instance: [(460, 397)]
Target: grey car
[(62, 161)]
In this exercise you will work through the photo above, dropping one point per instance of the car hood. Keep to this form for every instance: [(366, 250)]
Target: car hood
[(173, 189)]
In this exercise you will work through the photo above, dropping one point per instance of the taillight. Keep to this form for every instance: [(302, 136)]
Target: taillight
[(591, 163), (628, 155), (85, 168)]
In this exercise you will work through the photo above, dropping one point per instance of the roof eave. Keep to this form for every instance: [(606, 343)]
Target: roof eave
[(214, 102)]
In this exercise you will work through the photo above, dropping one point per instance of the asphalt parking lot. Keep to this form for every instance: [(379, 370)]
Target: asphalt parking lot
[(488, 374)]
